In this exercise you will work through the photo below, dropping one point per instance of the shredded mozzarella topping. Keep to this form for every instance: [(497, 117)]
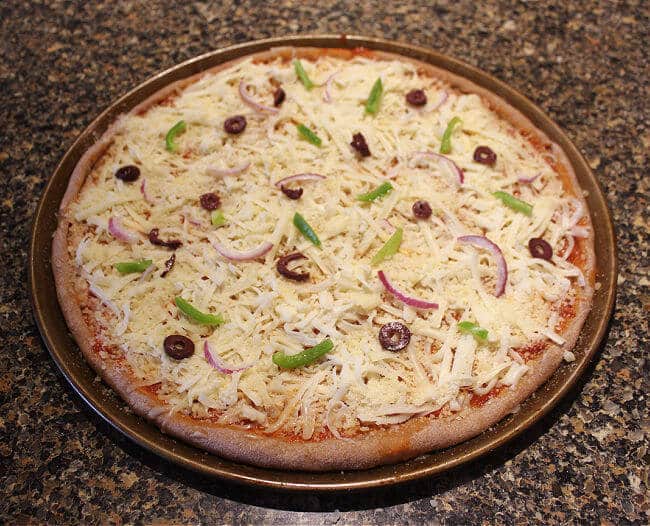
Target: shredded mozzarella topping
[(358, 382)]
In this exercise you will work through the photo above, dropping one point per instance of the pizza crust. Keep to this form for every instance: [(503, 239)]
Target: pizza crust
[(384, 445)]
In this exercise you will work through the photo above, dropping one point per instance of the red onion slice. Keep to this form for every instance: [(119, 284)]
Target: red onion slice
[(143, 190), (579, 231), (388, 225), (394, 171), (222, 172), (576, 215), (247, 255), (528, 180), (502, 268), (119, 232), (442, 159), (299, 177), (103, 297), (147, 272), (251, 102), (412, 302), (443, 98), (219, 364), (327, 96)]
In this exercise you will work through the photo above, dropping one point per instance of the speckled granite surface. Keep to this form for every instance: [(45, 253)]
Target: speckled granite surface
[(584, 63)]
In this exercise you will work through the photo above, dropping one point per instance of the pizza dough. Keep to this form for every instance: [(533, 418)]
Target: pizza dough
[(208, 217)]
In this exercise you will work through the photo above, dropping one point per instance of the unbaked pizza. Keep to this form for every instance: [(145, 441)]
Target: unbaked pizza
[(324, 259)]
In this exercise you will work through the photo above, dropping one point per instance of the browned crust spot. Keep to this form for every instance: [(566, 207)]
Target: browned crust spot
[(378, 446)]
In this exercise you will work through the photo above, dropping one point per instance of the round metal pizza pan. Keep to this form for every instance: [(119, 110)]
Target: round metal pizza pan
[(110, 407)]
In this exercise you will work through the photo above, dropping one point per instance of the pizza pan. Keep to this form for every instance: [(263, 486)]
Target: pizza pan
[(107, 405)]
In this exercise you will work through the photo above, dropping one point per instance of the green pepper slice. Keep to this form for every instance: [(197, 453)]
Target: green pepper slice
[(129, 267), (217, 218), (445, 145), (309, 135), (175, 130), (382, 190), (302, 75), (303, 358), (372, 104), (390, 248), (472, 328), (307, 231), (514, 203), (195, 314)]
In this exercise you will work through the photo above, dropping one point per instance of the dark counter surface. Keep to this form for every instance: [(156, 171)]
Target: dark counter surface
[(584, 63)]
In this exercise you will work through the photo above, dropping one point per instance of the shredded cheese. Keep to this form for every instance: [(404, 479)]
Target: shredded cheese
[(358, 382)]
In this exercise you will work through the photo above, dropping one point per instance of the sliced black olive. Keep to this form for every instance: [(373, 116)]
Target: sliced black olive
[(485, 155), (416, 97), (210, 201), (394, 336), (422, 210), (235, 125), (278, 97), (178, 347), (291, 193), (155, 240), (539, 248), (168, 265), (360, 145), (290, 274), (128, 174)]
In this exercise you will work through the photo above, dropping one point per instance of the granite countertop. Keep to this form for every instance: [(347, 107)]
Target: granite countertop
[(585, 63)]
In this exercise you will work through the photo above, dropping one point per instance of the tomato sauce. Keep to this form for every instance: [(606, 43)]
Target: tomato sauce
[(533, 350), (481, 400)]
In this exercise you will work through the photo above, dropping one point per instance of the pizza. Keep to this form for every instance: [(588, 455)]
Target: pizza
[(319, 259)]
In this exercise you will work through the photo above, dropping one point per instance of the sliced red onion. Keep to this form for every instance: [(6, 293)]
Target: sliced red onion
[(528, 180), (119, 232), (327, 96), (247, 255), (392, 173), (78, 256), (222, 172), (219, 364), (502, 267), (579, 231), (388, 225), (570, 244), (252, 103), (412, 302), (103, 297), (441, 158), (145, 194), (443, 98), (577, 214), (299, 177), (147, 273)]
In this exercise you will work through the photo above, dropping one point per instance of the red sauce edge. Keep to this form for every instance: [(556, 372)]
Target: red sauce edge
[(481, 400)]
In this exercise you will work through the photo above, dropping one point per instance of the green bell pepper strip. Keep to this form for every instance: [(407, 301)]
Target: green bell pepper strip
[(372, 104), (303, 358), (390, 248), (175, 130), (445, 145), (309, 135), (196, 315), (217, 218), (473, 329), (307, 231), (514, 203), (129, 267), (382, 190), (302, 75)]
